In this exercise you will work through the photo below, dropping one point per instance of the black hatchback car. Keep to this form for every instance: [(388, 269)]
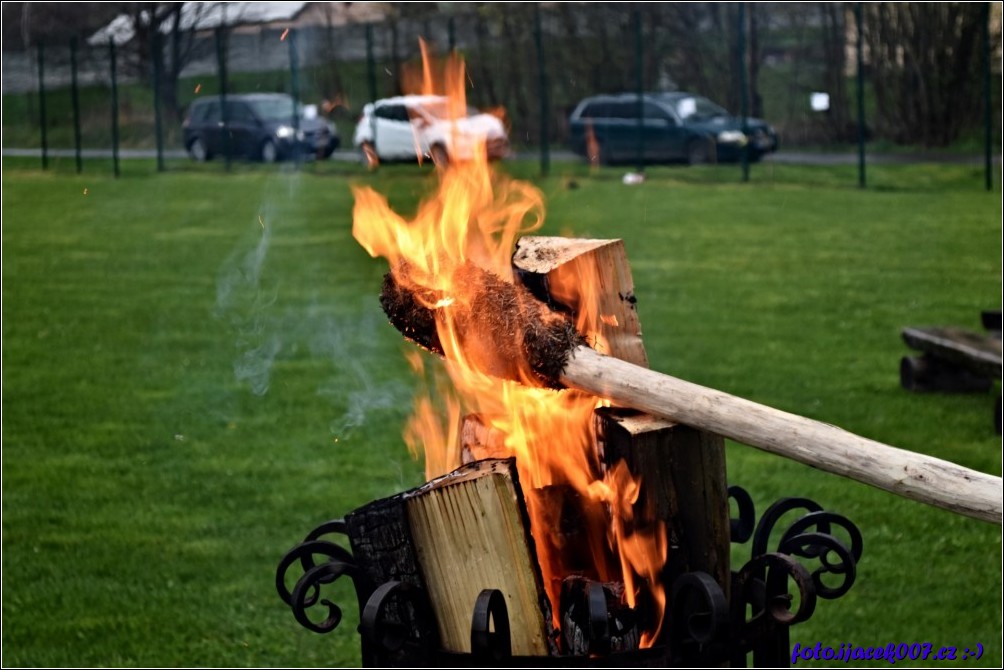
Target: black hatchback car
[(258, 126), (674, 126)]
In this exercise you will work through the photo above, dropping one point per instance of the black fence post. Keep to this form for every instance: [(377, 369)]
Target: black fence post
[(294, 85), (987, 133), (859, 24), (41, 106), (75, 100), (451, 28), (371, 80), (115, 107), (640, 86), (158, 56), (545, 149), (221, 69), (743, 92)]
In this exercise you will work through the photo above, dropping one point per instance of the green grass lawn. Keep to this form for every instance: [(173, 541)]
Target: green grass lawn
[(196, 371)]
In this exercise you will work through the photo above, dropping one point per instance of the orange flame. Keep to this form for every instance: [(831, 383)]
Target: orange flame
[(592, 145), (475, 217)]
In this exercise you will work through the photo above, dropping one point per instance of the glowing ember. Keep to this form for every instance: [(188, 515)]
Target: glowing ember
[(198, 88), (474, 219), (282, 37)]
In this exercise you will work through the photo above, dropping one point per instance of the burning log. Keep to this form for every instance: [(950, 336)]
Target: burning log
[(513, 325), (682, 472), (479, 441), (562, 272), (594, 618)]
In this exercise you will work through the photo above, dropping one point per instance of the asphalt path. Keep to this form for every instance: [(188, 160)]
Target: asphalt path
[(781, 157)]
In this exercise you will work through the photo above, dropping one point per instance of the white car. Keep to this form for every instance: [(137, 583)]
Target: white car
[(412, 126)]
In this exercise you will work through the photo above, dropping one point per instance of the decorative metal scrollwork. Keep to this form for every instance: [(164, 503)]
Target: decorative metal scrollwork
[(489, 646), (763, 585), (306, 593), (741, 527), (699, 620), (390, 641), (815, 556), (811, 536)]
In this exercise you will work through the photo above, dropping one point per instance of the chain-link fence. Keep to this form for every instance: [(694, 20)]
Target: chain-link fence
[(915, 77)]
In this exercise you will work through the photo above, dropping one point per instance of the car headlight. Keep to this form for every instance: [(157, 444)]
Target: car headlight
[(284, 132), (732, 137)]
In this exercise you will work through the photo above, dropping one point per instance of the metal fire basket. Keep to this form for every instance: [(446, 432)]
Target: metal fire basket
[(769, 594)]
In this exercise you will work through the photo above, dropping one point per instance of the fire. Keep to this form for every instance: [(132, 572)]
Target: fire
[(475, 217), (592, 145)]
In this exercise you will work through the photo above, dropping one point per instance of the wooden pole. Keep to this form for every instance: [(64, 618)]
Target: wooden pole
[(915, 476)]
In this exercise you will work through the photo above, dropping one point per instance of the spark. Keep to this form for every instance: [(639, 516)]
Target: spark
[(198, 87), (284, 33), (445, 302), (261, 222), (85, 190)]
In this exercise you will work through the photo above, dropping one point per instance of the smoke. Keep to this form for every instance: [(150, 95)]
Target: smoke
[(343, 335), (244, 300), (349, 343)]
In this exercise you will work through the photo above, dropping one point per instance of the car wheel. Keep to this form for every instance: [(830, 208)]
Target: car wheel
[(440, 157), (269, 153), (697, 152), (368, 155), (197, 150)]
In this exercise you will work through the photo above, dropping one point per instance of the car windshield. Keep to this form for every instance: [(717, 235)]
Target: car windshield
[(696, 108), (275, 109), (439, 109)]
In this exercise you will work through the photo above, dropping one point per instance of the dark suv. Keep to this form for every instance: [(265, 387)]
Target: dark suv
[(674, 126), (258, 126)]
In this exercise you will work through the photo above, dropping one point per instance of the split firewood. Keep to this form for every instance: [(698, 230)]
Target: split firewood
[(471, 532), (451, 538), (511, 325), (557, 270)]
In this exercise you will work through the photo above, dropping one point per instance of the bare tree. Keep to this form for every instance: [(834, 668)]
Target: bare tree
[(924, 61)]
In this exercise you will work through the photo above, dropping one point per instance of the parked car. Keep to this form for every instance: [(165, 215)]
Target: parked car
[(676, 126), (419, 126), (258, 126)]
